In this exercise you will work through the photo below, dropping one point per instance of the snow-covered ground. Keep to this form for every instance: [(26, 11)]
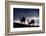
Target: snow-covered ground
[(27, 23)]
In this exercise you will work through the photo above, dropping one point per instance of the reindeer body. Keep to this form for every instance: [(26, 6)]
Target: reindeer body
[(23, 19), (31, 22)]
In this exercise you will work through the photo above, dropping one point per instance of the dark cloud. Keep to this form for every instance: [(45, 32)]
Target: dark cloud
[(19, 12)]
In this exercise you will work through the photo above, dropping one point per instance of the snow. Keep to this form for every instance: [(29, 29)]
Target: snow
[(26, 22)]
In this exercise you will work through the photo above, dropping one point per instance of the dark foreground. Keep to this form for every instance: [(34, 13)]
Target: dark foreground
[(17, 25)]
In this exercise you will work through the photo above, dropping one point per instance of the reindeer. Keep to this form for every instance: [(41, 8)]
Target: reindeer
[(31, 22), (23, 19)]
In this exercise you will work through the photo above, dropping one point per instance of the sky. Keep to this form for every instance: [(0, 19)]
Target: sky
[(26, 12)]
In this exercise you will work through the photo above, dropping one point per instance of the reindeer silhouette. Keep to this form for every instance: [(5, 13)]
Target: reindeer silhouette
[(31, 22), (23, 19)]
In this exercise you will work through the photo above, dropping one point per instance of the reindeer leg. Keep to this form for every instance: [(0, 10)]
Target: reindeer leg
[(29, 24)]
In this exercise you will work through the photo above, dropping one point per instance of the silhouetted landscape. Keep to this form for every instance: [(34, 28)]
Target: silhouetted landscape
[(18, 25), (25, 17)]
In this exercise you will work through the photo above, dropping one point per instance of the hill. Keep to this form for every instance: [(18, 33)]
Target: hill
[(18, 25)]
